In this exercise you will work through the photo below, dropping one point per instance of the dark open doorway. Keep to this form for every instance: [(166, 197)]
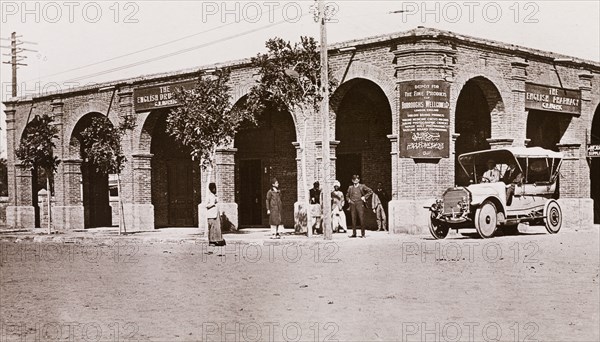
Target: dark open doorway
[(265, 150), (251, 186), (473, 122), (348, 164), (175, 178), (181, 195), (545, 129)]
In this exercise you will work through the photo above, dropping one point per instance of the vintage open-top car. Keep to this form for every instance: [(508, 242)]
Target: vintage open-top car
[(530, 197)]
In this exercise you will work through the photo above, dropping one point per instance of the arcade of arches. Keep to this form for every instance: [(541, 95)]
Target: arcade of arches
[(499, 96)]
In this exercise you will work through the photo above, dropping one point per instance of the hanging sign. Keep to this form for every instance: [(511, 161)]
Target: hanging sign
[(425, 119), (158, 96), (552, 99)]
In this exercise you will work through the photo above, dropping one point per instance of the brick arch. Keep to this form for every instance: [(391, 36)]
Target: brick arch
[(239, 95), (74, 151), (358, 70), (240, 90), (595, 123), (494, 88), (143, 131), (92, 106)]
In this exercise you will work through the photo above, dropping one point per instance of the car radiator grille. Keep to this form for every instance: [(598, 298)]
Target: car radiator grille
[(451, 199)]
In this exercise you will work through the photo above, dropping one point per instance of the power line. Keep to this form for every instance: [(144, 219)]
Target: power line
[(140, 51), (179, 52)]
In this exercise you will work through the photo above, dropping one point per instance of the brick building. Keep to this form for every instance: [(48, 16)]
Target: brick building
[(487, 94)]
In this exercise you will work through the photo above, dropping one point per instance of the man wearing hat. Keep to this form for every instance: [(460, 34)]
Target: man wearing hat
[(492, 175), (356, 196)]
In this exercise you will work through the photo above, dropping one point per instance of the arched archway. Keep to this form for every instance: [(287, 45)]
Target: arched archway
[(265, 150), (478, 100), (363, 123), (595, 165), (97, 211), (175, 177), (38, 173)]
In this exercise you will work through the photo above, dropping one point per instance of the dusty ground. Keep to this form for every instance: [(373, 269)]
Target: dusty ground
[(532, 287)]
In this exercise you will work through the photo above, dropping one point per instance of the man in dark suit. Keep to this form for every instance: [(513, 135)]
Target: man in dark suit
[(356, 196), (511, 177)]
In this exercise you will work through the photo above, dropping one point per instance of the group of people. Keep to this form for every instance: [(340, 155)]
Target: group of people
[(358, 196)]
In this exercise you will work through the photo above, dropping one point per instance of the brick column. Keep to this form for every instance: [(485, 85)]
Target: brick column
[(496, 144), (394, 155), (515, 128), (419, 181), (300, 218), (57, 116), (69, 213), (22, 213), (225, 181), (319, 162), (139, 213), (577, 207)]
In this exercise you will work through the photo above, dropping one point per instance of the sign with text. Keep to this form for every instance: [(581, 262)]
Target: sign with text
[(158, 96), (593, 151), (425, 119), (552, 99)]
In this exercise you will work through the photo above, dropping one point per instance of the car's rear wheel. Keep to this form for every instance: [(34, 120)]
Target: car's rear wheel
[(552, 217), (438, 229), (486, 219)]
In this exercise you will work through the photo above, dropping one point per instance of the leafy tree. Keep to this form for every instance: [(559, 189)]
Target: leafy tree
[(206, 118), (289, 78), (101, 142), (36, 150)]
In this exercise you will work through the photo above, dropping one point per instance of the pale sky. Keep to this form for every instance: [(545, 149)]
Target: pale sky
[(92, 37)]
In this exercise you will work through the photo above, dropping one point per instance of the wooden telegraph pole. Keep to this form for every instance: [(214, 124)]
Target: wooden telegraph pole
[(326, 159), (15, 58)]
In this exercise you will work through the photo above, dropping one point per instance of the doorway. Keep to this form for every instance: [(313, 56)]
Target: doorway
[(175, 177), (180, 193), (251, 186), (348, 164)]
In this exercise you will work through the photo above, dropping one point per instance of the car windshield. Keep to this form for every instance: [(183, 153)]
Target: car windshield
[(535, 169)]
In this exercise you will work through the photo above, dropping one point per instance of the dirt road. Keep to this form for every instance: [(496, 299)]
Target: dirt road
[(533, 287)]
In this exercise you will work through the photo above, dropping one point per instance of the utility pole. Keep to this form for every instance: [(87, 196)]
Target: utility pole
[(15, 58), (327, 228)]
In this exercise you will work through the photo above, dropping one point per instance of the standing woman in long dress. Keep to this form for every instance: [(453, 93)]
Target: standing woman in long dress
[(274, 208), (215, 238)]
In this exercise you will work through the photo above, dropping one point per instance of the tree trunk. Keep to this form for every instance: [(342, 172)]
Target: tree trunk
[(305, 180), (49, 202), (122, 228)]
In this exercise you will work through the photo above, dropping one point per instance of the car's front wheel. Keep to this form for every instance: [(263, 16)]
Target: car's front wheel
[(552, 217), (486, 219), (438, 229)]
